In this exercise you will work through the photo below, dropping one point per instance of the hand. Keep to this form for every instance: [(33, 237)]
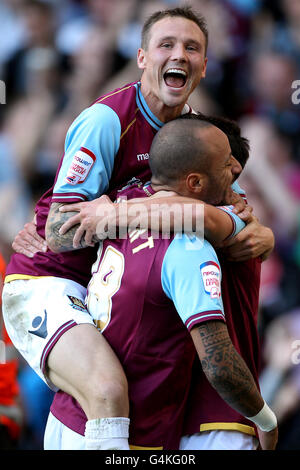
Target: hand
[(268, 440), (241, 208), (253, 241), (28, 241), (90, 216)]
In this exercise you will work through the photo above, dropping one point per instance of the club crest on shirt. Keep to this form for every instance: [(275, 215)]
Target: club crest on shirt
[(80, 167), (211, 277), (77, 303)]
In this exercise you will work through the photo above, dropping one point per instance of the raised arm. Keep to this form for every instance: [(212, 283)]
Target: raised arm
[(229, 375)]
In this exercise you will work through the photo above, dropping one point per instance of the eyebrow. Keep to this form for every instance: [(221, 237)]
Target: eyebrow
[(174, 38), (229, 156)]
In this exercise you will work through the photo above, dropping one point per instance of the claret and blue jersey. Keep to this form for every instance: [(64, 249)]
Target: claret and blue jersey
[(106, 145), (145, 295)]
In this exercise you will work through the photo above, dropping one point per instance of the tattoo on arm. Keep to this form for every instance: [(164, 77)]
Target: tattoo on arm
[(59, 243), (226, 370)]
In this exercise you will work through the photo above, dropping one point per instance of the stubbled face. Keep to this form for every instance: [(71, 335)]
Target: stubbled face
[(222, 169), (173, 65)]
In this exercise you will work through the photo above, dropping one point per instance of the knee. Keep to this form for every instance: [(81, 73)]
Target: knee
[(109, 395)]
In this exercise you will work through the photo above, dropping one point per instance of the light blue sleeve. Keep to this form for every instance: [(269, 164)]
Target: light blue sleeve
[(191, 278), (91, 144), (238, 224), (236, 188)]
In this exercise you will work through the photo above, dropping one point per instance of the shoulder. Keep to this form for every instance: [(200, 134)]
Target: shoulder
[(189, 247), (186, 258), (120, 100), (95, 114)]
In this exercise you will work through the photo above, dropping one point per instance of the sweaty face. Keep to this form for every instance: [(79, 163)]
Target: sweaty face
[(173, 65), (221, 172)]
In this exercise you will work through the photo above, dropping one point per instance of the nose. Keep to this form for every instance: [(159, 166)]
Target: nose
[(179, 52), (236, 167)]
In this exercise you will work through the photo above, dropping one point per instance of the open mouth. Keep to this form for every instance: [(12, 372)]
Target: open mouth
[(175, 78)]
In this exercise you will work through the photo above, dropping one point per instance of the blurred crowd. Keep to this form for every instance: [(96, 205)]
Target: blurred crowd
[(58, 56)]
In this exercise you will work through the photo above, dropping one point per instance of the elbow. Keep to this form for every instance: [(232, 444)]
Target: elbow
[(52, 245), (219, 377), (220, 382), (52, 239)]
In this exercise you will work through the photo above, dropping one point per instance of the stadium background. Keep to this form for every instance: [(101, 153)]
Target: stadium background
[(57, 56)]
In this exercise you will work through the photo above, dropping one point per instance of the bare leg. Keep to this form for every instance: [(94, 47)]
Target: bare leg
[(83, 365)]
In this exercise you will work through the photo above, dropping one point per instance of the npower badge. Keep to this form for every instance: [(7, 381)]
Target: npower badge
[(211, 276)]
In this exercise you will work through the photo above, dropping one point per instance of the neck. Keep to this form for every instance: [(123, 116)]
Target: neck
[(174, 189), (163, 112), (157, 186)]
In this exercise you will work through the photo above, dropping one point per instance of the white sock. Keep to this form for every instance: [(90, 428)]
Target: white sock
[(107, 434)]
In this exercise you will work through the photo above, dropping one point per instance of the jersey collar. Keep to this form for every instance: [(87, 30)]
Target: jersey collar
[(147, 113), (147, 188), (145, 110)]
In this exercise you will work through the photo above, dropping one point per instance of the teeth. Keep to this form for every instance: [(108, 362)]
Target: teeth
[(179, 71)]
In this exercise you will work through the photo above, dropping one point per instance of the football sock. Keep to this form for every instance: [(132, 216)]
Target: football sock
[(107, 434)]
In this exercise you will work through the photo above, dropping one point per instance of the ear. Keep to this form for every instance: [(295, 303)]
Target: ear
[(141, 59), (203, 74), (195, 183)]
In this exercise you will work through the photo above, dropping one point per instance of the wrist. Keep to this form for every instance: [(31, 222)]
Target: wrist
[(265, 419)]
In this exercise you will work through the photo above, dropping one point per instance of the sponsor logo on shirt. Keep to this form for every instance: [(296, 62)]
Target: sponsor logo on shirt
[(211, 277), (80, 167), (142, 156)]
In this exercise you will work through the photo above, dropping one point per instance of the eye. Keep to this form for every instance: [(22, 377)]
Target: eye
[(166, 45)]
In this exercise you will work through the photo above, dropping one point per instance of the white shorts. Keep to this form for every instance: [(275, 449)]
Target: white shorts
[(219, 440), (59, 437), (37, 312)]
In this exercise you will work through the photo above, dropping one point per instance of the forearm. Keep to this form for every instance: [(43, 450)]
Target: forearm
[(57, 242), (177, 214), (226, 370), (159, 214)]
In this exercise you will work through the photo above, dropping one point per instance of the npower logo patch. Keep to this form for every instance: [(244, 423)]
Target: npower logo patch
[(211, 276)]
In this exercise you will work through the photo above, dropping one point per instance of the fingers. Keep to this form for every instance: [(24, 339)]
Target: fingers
[(239, 207), (71, 207), (241, 252), (241, 248), (24, 250), (78, 237), (71, 222), (246, 215), (89, 239), (30, 232), (28, 241)]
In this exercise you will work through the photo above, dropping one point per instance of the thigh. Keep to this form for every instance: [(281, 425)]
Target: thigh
[(82, 357), (219, 440), (37, 312)]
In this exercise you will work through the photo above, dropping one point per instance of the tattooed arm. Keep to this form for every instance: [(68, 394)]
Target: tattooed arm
[(229, 375), (55, 220), (99, 215), (225, 369)]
